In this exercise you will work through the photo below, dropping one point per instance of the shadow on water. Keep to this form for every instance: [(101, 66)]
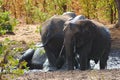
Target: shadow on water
[(114, 60)]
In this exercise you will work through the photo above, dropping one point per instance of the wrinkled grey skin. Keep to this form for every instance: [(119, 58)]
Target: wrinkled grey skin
[(52, 38), (90, 40)]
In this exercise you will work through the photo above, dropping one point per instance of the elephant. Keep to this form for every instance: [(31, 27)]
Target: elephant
[(38, 59), (89, 39), (35, 58), (52, 37)]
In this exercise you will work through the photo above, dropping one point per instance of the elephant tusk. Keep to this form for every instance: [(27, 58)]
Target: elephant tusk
[(61, 50)]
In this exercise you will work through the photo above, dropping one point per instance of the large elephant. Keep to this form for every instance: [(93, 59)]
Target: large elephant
[(90, 40), (52, 38)]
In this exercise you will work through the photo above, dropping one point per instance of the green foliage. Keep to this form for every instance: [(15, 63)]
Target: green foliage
[(93, 9), (102, 10), (42, 51), (40, 16), (31, 45), (57, 6), (6, 23), (29, 11), (37, 29), (40, 12), (8, 61), (36, 11), (33, 13)]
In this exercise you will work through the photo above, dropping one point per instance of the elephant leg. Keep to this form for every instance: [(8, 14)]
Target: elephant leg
[(51, 56), (76, 63), (88, 63), (61, 58), (53, 60), (70, 62), (83, 62), (84, 54), (103, 61), (60, 62), (69, 52)]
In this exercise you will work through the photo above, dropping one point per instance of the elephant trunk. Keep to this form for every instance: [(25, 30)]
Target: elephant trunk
[(69, 50)]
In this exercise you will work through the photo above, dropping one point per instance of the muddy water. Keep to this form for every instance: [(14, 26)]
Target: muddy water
[(114, 60), (112, 63)]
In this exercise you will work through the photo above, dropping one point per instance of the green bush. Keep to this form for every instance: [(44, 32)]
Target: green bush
[(6, 23), (8, 61)]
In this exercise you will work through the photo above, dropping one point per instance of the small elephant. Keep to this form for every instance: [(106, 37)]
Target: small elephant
[(38, 59), (52, 38), (90, 40), (34, 58)]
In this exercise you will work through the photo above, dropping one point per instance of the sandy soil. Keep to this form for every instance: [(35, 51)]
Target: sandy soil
[(28, 33), (25, 33), (73, 75)]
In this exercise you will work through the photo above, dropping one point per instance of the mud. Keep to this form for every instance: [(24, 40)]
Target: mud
[(112, 63)]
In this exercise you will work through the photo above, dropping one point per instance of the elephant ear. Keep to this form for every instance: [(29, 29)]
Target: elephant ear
[(89, 25), (74, 28), (92, 28)]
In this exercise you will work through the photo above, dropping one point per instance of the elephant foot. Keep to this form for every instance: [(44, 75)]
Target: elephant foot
[(70, 68)]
